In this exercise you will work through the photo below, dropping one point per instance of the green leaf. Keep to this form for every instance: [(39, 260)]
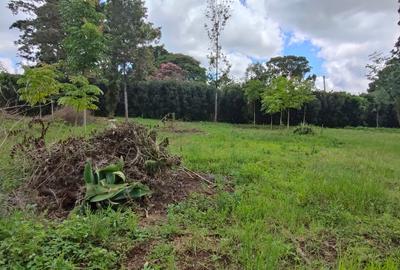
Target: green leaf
[(120, 175), (88, 174), (110, 178), (113, 168), (107, 192)]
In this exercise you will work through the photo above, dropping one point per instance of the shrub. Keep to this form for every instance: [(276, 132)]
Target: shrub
[(304, 130)]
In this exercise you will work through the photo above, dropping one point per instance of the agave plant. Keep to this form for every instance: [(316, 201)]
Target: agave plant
[(109, 185)]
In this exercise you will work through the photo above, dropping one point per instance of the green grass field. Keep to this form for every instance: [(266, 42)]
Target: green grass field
[(284, 201)]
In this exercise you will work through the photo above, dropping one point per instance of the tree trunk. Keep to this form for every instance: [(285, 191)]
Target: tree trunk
[(254, 113), (288, 118), (280, 119), (216, 106), (304, 115), (126, 103), (40, 111), (272, 119), (377, 118), (216, 79)]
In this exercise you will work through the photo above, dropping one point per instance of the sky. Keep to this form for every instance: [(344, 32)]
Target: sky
[(336, 36)]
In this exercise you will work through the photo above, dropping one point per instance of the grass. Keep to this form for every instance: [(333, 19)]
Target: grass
[(326, 201)]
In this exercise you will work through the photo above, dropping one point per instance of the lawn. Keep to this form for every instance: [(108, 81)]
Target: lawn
[(325, 201)]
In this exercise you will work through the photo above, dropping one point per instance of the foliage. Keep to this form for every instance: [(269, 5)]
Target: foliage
[(169, 71), (284, 94), (289, 66), (128, 34), (84, 41), (276, 95), (253, 90), (8, 88), (42, 31), (191, 101), (194, 101), (257, 71), (39, 84), (109, 185), (80, 94), (83, 47), (92, 241), (385, 84), (304, 130), (191, 67)]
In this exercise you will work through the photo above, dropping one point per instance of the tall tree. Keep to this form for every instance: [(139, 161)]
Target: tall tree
[(253, 90), (218, 13), (385, 87), (128, 33), (84, 42), (257, 71), (194, 71), (41, 32), (385, 77), (169, 71), (274, 98), (397, 46), (289, 66)]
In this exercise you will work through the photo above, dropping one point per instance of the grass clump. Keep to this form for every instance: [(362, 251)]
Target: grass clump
[(92, 241)]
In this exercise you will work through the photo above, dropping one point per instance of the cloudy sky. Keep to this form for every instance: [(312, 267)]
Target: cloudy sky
[(336, 36)]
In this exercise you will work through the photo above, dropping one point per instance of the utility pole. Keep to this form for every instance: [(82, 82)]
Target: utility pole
[(324, 83)]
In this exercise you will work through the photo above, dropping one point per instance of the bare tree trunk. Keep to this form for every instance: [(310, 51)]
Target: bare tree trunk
[(288, 118), (272, 121), (125, 95), (216, 80), (126, 103), (280, 119), (304, 115), (377, 118), (216, 106)]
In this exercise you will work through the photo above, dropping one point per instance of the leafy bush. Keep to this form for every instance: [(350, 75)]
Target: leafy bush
[(304, 130), (109, 186)]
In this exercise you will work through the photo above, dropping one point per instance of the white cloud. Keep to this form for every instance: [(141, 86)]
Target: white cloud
[(8, 49), (248, 33), (346, 31)]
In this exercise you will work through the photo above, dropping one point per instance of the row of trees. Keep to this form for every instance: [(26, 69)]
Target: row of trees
[(194, 101), (107, 42), (280, 85), (78, 45)]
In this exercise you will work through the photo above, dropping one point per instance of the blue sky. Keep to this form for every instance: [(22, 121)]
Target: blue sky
[(307, 49)]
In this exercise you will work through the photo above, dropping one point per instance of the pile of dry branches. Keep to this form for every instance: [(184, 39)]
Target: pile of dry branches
[(57, 170)]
